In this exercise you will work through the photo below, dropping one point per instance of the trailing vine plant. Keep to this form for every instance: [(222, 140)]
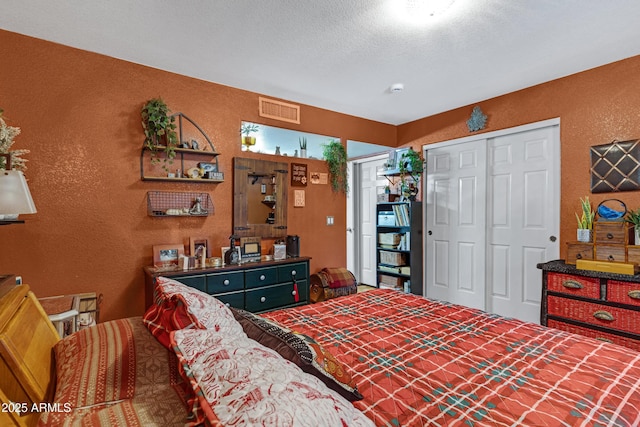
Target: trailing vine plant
[(159, 131), (335, 155)]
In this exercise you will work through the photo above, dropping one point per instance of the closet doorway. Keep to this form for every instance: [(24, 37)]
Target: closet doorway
[(492, 213)]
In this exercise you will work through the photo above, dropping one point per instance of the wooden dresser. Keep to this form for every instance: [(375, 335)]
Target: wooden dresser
[(604, 306), (253, 286)]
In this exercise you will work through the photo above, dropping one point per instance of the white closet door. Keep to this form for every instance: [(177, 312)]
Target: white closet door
[(522, 220), (455, 223)]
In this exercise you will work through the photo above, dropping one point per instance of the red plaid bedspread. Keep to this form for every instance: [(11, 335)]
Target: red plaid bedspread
[(418, 362)]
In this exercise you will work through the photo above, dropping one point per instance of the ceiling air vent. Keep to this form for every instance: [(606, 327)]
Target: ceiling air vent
[(279, 110)]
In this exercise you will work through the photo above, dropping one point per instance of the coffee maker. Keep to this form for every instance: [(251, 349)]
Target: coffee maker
[(293, 246)]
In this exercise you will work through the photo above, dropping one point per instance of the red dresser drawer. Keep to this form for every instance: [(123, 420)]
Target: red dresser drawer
[(574, 285), (592, 333), (595, 314), (625, 292)]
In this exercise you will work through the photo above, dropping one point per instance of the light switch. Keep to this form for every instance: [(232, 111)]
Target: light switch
[(329, 220)]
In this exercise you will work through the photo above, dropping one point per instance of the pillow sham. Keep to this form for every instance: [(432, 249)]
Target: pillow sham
[(178, 306), (300, 349), (240, 382)]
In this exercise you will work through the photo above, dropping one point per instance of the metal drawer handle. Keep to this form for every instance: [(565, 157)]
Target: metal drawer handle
[(293, 293), (263, 299), (226, 282), (262, 277), (604, 315), (611, 258), (572, 284), (578, 256), (635, 294), (605, 340), (228, 304), (609, 236), (293, 272)]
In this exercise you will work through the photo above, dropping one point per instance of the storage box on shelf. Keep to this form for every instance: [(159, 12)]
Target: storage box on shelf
[(611, 240), (399, 246), (599, 305)]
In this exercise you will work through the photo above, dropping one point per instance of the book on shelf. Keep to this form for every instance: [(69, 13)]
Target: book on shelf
[(401, 212), (405, 269)]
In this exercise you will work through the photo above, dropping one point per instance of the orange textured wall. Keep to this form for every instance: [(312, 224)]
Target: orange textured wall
[(79, 114), (595, 107)]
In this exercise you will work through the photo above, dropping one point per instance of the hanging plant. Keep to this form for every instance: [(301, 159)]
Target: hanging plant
[(7, 134), (336, 157), (411, 164), (159, 131)]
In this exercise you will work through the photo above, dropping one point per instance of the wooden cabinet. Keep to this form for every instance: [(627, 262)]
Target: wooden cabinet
[(610, 243), (256, 286), (399, 246), (604, 306)]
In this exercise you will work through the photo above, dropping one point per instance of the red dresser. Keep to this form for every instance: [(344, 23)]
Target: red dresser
[(605, 306)]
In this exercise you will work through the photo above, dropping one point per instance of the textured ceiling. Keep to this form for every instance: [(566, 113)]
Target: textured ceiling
[(343, 55)]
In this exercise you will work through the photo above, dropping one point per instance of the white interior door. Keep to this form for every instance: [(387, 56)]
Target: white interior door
[(522, 219), (512, 216), (455, 223)]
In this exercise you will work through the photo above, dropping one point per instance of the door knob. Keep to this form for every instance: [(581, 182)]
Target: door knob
[(429, 232), (552, 238)]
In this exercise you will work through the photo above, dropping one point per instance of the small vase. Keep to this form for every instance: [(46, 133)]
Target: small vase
[(636, 235), (303, 153), (584, 235)]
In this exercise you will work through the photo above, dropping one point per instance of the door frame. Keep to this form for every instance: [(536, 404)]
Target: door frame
[(354, 211), (554, 122)]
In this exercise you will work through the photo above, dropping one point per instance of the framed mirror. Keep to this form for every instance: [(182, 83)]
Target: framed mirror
[(259, 198)]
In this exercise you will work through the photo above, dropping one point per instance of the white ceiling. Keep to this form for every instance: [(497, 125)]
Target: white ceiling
[(343, 55)]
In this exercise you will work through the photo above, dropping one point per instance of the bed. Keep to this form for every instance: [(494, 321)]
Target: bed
[(380, 357)]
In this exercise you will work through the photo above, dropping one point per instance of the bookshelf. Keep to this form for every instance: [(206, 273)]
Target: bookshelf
[(399, 246)]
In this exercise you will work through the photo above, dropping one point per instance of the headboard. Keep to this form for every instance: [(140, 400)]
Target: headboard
[(26, 357)]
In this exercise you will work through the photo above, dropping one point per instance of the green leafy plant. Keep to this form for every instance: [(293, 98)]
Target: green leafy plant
[(633, 217), (303, 143), (335, 155), (7, 134), (585, 220), (159, 131), (248, 128), (411, 164)]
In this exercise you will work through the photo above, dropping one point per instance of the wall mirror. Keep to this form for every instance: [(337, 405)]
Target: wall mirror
[(259, 198), (286, 142)]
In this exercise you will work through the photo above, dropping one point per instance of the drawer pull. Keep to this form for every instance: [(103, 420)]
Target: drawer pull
[(605, 340), (635, 294), (293, 272), (225, 282), (578, 256), (293, 293), (263, 299), (611, 258), (604, 315), (262, 277), (572, 284), (609, 236)]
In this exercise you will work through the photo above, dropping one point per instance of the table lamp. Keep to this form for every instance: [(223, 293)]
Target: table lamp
[(15, 198)]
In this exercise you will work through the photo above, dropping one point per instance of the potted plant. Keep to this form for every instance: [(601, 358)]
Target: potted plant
[(633, 217), (585, 221), (410, 164), (335, 155), (159, 131), (303, 147), (246, 130)]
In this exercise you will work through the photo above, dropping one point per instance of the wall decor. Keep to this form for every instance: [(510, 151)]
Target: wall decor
[(299, 175), (477, 121), (615, 166), (298, 198)]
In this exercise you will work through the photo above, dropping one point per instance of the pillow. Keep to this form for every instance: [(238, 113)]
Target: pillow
[(115, 361), (178, 306), (240, 382), (338, 277), (300, 349)]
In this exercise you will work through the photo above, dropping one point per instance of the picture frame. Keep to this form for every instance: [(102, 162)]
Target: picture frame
[(167, 255), (398, 157), (224, 249), (195, 243)]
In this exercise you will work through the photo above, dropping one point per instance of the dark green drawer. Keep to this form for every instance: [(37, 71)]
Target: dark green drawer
[(260, 277), (234, 299), (286, 273), (197, 281), (225, 282), (271, 297)]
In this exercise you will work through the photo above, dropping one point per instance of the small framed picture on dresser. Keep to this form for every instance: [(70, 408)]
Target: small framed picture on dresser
[(197, 244), (167, 255)]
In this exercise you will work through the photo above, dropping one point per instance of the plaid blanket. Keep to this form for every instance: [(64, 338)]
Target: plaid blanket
[(420, 362), (337, 277)]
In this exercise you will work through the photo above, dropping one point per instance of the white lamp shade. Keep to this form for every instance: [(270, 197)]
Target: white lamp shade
[(15, 197)]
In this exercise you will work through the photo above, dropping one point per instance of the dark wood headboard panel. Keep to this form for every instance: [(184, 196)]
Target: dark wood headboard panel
[(27, 338)]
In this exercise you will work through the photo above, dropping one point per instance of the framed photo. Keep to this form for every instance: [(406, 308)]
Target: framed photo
[(224, 249), (167, 255), (399, 152), (197, 244)]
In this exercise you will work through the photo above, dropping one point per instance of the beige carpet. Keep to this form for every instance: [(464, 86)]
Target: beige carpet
[(365, 288)]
